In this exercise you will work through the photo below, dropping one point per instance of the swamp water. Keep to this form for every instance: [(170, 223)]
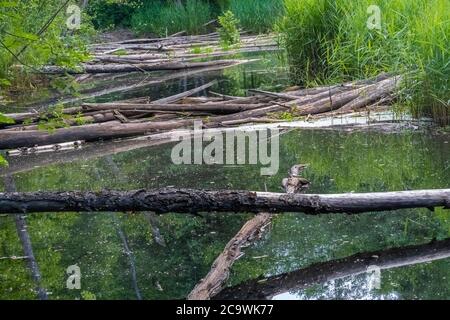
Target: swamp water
[(339, 162)]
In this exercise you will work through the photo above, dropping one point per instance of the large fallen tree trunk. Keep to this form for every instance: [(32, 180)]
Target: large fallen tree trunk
[(267, 288), (192, 201), (140, 67)]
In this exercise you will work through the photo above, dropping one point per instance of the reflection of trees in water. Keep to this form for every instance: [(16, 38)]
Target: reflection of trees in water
[(339, 162)]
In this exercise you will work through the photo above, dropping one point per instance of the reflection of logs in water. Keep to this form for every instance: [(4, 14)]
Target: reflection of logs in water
[(266, 288), (22, 231)]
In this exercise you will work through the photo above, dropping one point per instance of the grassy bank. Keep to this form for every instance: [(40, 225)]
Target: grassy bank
[(329, 41), (257, 15), (167, 17)]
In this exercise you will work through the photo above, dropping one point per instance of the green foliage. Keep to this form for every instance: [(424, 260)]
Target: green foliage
[(5, 120), (108, 14), (201, 50), (228, 31), (257, 15), (169, 17), (31, 36), (329, 41), (54, 118), (87, 295)]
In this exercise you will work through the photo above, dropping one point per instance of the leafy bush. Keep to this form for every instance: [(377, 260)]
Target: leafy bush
[(108, 14), (228, 31), (31, 35)]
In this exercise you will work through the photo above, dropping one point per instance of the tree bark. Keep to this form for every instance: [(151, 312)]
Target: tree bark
[(193, 201), (141, 67)]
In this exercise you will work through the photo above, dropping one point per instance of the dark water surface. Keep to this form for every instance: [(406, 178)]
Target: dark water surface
[(339, 162)]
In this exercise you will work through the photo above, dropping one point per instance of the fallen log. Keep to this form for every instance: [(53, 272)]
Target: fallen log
[(92, 132), (267, 288), (141, 67), (185, 94), (193, 201), (220, 270), (376, 92), (215, 280), (219, 108)]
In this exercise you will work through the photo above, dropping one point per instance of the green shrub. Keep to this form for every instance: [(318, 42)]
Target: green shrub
[(165, 18), (21, 43), (108, 14), (228, 30), (329, 41)]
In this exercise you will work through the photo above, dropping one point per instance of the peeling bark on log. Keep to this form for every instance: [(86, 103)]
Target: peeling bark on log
[(267, 288), (192, 201), (220, 270)]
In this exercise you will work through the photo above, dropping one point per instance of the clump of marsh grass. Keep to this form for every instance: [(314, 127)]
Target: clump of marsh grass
[(168, 17), (329, 41), (257, 15)]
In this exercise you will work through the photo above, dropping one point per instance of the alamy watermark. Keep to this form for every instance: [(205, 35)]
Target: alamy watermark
[(73, 22), (374, 20), (74, 279), (375, 277), (229, 148)]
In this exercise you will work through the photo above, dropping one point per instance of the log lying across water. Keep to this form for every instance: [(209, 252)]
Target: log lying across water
[(193, 201), (139, 67)]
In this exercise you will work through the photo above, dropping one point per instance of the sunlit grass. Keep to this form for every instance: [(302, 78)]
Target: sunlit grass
[(257, 15), (167, 17), (329, 41)]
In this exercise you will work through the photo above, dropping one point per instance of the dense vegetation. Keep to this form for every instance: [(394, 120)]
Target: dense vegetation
[(34, 33), (329, 41), (165, 17)]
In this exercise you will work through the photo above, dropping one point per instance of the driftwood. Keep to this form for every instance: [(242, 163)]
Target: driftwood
[(192, 201), (220, 270), (185, 94), (267, 288)]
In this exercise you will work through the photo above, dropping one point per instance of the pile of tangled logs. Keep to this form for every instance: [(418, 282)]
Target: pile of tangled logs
[(96, 121), (172, 53)]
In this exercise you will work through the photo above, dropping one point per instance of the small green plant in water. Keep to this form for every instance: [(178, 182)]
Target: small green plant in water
[(55, 119), (4, 120), (228, 31)]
